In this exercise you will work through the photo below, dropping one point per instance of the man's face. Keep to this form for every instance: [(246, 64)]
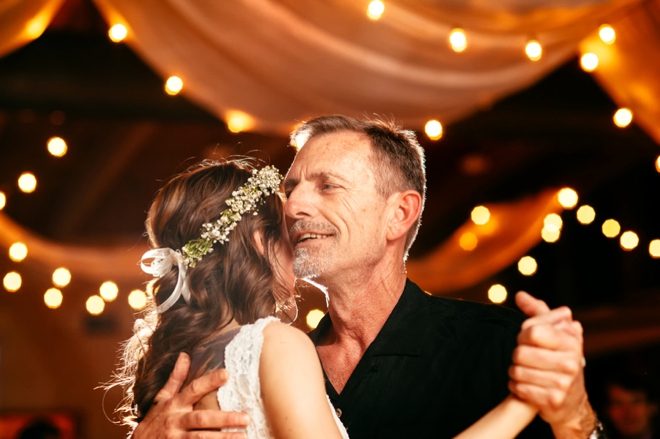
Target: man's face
[(334, 212), (629, 410)]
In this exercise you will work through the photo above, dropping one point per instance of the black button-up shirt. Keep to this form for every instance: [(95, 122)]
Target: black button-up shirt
[(435, 368)]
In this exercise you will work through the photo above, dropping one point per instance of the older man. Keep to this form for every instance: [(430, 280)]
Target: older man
[(398, 362)]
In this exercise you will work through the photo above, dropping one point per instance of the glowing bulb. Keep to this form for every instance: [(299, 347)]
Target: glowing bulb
[(433, 129), (109, 291), (137, 299), (3, 199), (27, 182), (458, 40), (117, 33), (611, 228), (173, 85), (657, 168), (534, 50), (553, 222), (53, 298), (238, 121), (629, 240), (468, 241), (623, 117), (12, 281), (61, 277), (497, 293), (654, 248), (527, 265), (95, 305), (589, 62), (550, 235), (18, 251), (57, 146), (607, 34), (586, 214), (375, 9), (480, 215), (314, 317), (568, 198)]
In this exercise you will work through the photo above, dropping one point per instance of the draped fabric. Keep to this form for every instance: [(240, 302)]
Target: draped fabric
[(22, 21)]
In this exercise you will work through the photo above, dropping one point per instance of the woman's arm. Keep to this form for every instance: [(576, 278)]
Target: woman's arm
[(503, 422), (292, 386)]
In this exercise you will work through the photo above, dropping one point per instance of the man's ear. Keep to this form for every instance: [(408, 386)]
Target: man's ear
[(406, 207), (258, 237)]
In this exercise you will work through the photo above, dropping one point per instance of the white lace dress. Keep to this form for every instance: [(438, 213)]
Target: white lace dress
[(243, 390)]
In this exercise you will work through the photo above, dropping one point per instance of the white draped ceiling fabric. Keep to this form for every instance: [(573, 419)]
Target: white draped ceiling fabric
[(279, 62)]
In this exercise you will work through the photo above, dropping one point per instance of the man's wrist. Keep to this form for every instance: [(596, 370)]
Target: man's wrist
[(580, 427)]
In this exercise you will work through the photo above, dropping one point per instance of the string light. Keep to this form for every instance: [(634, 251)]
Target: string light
[(433, 129), (623, 117), (12, 281), (458, 40), (550, 235), (553, 222), (137, 299), (61, 277), (468, 241), (375, 9), (57, 146), (238, 121), (589, 62), (109, 291), (314, 317), (95, 305), (654, 248), (27, 182), (534, 50), (18, 251), (497, 293), (117, 33), (607, 34), (629, 240), (586, 214), (480, 215), (173, 85), (568, 198), (527, 265), (611, 228), (3, 199), (53, 298)]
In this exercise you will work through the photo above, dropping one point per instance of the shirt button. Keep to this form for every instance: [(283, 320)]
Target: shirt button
[(338, 411)]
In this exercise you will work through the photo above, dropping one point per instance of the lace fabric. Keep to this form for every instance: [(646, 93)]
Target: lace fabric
[(243, 390)]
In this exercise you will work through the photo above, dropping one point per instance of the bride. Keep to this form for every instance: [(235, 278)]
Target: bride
[(225, 286)]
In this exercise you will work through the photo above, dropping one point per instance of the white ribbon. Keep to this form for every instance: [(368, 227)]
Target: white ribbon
[(162, 261)]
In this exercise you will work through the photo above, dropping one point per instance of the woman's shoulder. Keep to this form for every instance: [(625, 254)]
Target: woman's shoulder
[(276, 332)]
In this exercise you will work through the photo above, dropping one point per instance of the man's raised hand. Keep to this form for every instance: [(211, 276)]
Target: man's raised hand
[(172, 415)]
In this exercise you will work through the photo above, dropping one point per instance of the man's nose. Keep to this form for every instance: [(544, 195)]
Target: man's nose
[(299, 203)]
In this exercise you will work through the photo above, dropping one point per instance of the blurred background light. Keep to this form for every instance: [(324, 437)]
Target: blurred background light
[(27, 182), (480, 215), (629, 240), (534, 50), (61, 277), (109, 291), (568, 198), (238, 121), (375, 9), (623, 117), (527, 265), (468, 241), (117, 33), (497, 293), (137, 299), (173, 85), (553, 222), (314, 317), (550, 235), (607, 34), (57, 146), (611, 228), (586, 214), (53, 298), (433, 129), (654, 248), (18, 251), (12, 281), (3, 200), (589, 62), (95, 305), (458, 40)]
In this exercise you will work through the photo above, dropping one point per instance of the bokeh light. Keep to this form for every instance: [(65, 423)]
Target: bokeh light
[(61, 277), (553, 222), (53, 298), (480, 215), (654, 248), (497, 293), (238, 121), (629, 240), (173, 85), (117, 33), (534, 50), (586, 214), (57, 146), (137, 299), (468, 241), (527, 265), (27, 182), (550, 235), (568, 198), (109, 291), (458, 40), (375, 9), (611, 228), (589, 62), (95, 305), (433, 129), (12, 281), (657, 168), (314, 317), (623, 117), (18, 251), (3, 200), (607, 34)]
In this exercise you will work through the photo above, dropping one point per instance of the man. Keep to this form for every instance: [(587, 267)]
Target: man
[(398, 363), (631, 407)]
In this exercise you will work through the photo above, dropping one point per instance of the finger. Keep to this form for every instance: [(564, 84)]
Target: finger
[(555, 316), (540, 378), (547, 360), (176, 379), (529, 305), (213, 419), (538, 396), (550, 337), (199, 387)]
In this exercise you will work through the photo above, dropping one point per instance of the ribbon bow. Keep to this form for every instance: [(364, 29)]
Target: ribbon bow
[(163, 259)]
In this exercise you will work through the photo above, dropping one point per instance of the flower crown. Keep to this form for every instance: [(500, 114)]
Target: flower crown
[(262, 183)]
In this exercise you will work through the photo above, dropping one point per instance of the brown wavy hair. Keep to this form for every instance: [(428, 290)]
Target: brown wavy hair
[(234, 282)]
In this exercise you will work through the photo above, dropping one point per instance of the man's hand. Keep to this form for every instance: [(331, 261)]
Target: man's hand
[(172, 415), (548, 368)]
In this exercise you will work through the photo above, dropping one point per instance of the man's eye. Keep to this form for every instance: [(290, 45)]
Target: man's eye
[(328, 186)]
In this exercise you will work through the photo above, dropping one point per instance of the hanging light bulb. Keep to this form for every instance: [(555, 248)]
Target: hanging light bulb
[(375, 9), (117, 33), (433, 129), (173, 85), (589, 62), (457, 40), (607, 34), (623, 117), (534, 50)]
